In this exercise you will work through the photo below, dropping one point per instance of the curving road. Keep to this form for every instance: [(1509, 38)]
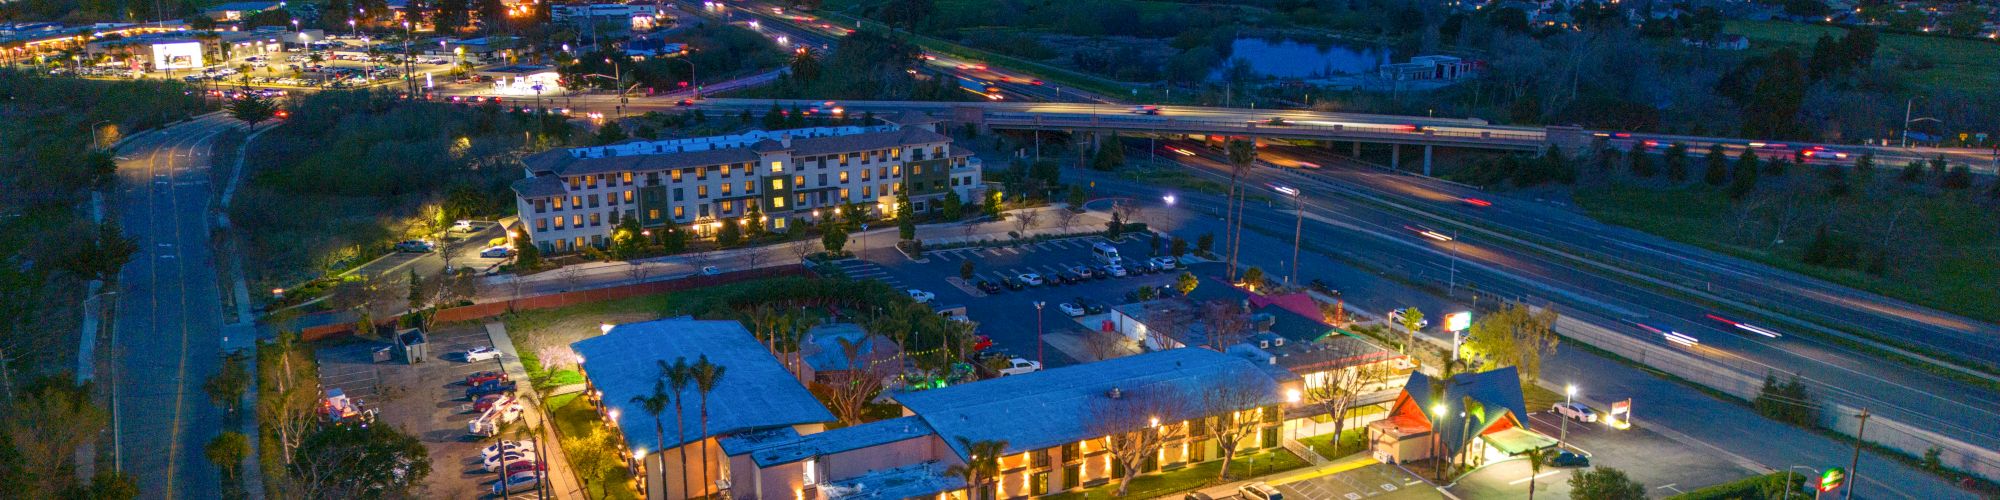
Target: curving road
[(167, 333)]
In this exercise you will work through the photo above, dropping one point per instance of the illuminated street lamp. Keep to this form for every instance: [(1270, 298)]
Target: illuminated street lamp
[(1569, 397), (1437, 441)]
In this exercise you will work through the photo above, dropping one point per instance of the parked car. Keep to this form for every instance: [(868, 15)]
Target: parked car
[(1071, 308), (1085, 271), (489, 401), (1569, 459), (476, 378), (481, 353), (1574, 411), (1030, 279), (1091, 307), (1196, 495), (493, 463), (495, 387), (526, 466), (1018, 366), (1068, 277), (1011, 283), (519, 482), (1259, 491), (921, 296), (462, 225), (1319, 285), (988, 286), (496, 252), (710, 270), (506, 447), (414, 246), (1117, 270)]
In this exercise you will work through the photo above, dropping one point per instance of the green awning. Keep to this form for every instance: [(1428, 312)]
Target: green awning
[(1515, 441)]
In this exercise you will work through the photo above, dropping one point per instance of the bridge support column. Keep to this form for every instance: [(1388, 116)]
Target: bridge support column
[(1427, 160), (1396, 157), (1357, 150)]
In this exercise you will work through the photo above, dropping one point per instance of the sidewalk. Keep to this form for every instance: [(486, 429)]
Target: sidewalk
[(563, 483)]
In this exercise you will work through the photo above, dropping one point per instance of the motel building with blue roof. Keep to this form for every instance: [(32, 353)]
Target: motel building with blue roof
[(767, 437)]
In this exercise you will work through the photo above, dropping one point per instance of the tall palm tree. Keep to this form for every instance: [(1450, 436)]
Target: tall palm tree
[(706, 375), (1536, 459), (678, 375), (1242, 153), (982, 463), (655, 404)]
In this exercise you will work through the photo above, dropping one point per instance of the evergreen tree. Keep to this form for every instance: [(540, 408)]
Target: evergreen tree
[(954, 207), (774, 119), (1639, 164), (611, 132), (1864, 168), (1717, 172), (1677, 162), (906, 219), (731, 233), (753, 217), (1744, 179)]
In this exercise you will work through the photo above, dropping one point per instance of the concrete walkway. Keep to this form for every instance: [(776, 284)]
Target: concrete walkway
[(562, 480)]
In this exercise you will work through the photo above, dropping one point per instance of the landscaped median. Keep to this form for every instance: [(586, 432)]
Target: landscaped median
[(1768, 486)]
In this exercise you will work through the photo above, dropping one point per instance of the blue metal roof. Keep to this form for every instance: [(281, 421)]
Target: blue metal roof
[(1053, 407), (1496, 392), (843, 439), (755, 393)]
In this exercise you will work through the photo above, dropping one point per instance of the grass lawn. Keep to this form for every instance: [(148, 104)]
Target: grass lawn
[(1958, 278), (1351, 442), (1188, 478), (574, 417), (1957, 63)]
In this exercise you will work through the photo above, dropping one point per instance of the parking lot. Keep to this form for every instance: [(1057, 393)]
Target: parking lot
[(426, 400), (1666, 465), (1009, 316), (1376, 481)]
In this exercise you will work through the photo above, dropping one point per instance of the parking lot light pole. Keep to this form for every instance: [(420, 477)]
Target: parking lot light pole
[(1038, 331), (1569, 396)]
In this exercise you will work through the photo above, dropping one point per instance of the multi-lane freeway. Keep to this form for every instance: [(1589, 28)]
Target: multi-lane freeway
[(167, 335), (1442, 235)]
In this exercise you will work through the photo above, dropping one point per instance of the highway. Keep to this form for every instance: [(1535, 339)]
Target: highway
[(166, 335), (1379, 268), (1494, 268)]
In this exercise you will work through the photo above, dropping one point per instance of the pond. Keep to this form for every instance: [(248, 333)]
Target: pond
[(1295, 59)]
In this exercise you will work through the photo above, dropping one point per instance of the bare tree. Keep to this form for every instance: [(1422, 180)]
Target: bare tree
[(967, 229), (804, 248), (1167, 323), (1231, 410), (1225, 323), (698, 260), (1129, 212), (1066, 218), (1137, 422), (1103, 345), (571, 277), (637, 271), (1336, 391), (1026, 219), (754, 257)]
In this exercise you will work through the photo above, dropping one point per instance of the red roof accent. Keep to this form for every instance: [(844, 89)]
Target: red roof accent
[(1298, 303)]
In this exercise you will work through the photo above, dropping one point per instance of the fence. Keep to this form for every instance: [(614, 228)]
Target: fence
[(554, 300)]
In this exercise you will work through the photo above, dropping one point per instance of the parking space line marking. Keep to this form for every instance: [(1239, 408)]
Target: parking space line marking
[(1542, 475)]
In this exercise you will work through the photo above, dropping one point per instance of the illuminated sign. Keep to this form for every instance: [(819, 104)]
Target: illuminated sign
[(1457, 321)]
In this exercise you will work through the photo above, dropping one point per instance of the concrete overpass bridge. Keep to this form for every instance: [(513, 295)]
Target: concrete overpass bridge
[(1397, 131)]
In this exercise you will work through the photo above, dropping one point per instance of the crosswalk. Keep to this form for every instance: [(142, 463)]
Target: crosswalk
[(865, 270), (977, 253)]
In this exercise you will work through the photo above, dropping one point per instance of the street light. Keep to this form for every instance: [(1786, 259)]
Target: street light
[(1569, 395), (1298, 228), (1788, 479), (1038, 330), (1437, 441), (1169, 198)]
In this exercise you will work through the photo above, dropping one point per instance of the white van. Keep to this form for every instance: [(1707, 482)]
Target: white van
[(1105, 252)]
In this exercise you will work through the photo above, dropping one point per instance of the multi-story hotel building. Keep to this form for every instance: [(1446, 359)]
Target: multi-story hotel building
[(578, 196)]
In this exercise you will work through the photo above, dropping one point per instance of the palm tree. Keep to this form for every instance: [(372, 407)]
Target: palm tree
[(982, 462), (1242, 153), (655, 404), (706, 375), (1536, 459), (678, 375)]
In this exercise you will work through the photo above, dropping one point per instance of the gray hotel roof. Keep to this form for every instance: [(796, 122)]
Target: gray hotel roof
[(755, 392), (1053, 407), (850, 438)]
